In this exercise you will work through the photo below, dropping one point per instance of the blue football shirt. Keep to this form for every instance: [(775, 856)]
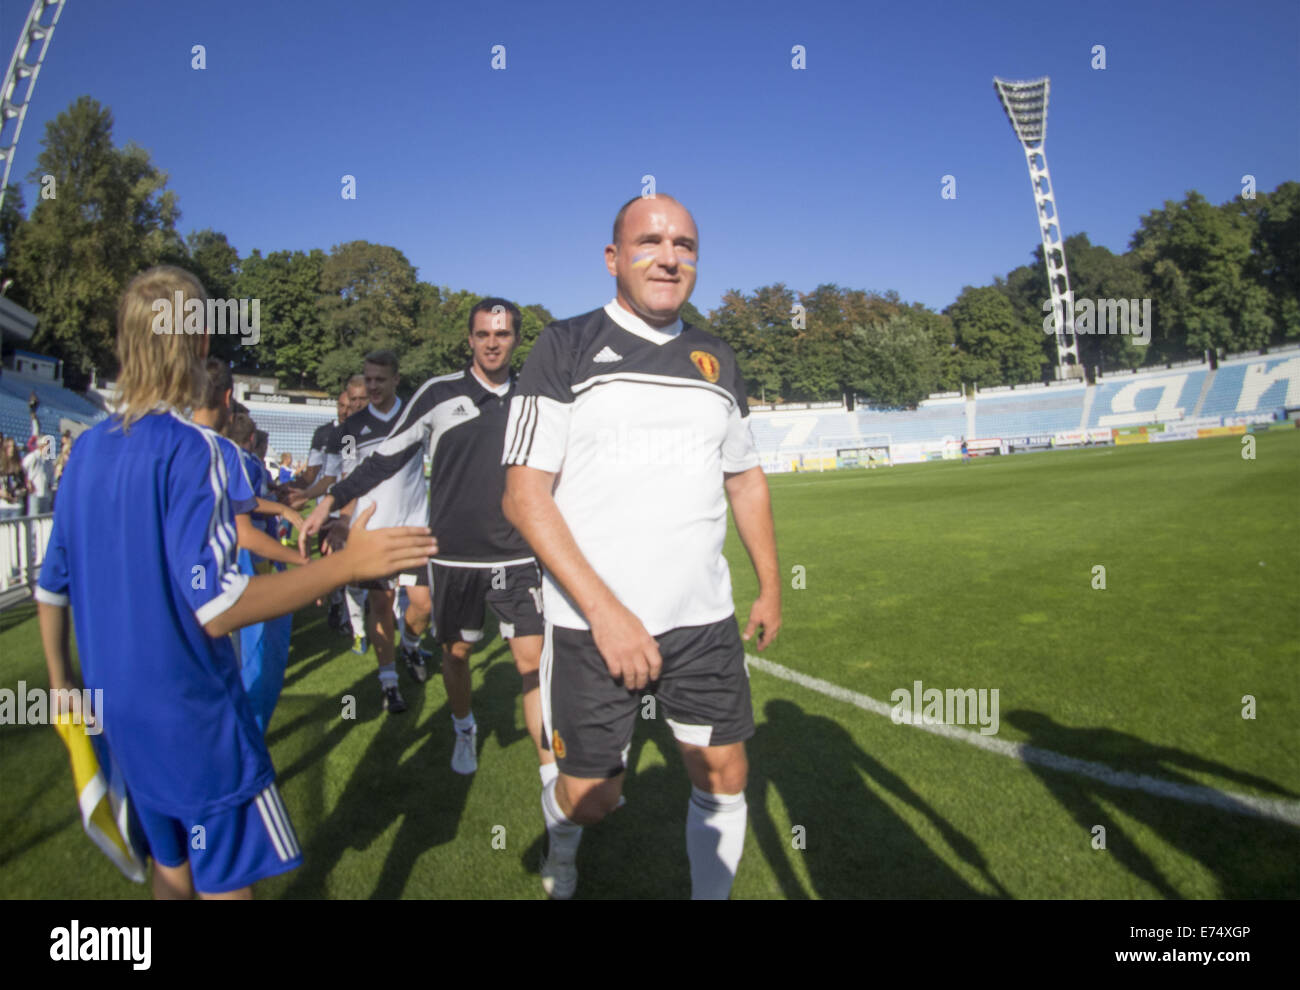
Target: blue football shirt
[(255, 474), (143, 550), (243, 496)]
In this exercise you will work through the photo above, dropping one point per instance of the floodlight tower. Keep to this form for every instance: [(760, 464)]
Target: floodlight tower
[(37, 32), (1026, 107)]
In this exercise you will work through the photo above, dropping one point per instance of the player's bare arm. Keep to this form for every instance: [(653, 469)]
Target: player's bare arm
[(53, 620), (297, 498), (629, 651), (256, 540), (268, 508), (751, 505), (376, 469), (369, 555), (312, 524)]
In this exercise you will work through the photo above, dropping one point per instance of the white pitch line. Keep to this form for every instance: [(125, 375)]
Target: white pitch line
[(1241, 804)]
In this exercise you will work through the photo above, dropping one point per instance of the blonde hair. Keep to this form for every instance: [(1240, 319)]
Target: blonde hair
[(157, 367)]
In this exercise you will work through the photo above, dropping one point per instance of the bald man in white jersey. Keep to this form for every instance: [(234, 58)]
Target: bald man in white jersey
[(627, 437)]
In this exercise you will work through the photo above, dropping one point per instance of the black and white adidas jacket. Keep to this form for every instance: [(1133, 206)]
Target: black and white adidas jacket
[(461, 423), (399, 497)]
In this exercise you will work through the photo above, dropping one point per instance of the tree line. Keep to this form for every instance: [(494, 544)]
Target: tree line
[(1221, 278)]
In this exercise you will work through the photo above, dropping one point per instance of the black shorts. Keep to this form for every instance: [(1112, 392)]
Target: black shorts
[(418, 578), (588, 716), (460, 593)]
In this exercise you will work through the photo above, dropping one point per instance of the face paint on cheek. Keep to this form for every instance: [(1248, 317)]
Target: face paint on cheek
[(686, 265), (642, 260)]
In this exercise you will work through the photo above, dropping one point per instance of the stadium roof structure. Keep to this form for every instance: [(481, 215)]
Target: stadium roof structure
[(16, 322)]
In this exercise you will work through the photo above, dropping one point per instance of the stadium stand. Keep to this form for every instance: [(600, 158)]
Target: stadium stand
[(1028, 414), (925, 423), (289, 429), (69, 402), (57, 404), (1131, 400), (1254, 385)]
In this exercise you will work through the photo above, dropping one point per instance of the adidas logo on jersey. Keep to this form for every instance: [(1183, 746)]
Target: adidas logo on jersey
[(458, 411), (606, 355), (365, 430)]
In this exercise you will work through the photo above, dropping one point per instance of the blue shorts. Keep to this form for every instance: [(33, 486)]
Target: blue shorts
[(229, 849)]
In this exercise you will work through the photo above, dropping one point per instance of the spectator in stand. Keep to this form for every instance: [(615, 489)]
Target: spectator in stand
[(286, 468), (34, 403), (65, 450), (39, 466), (13, 480)]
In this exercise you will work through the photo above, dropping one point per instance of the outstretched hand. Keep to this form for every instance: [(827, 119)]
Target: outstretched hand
[(379, 553)]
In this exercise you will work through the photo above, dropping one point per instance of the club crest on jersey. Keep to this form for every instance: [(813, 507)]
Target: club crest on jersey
[(557, 745), (707, 364)]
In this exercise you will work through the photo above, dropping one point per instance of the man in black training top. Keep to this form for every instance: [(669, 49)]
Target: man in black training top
[(401, 496), (317, 478), (460, 420)]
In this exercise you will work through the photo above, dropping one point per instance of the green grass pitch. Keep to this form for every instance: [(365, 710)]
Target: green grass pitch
[(959, 576)]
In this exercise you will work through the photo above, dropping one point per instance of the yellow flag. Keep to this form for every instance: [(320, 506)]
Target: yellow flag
[(105, 811)]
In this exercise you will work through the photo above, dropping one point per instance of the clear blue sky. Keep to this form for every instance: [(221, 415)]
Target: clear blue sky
[(505, 182)]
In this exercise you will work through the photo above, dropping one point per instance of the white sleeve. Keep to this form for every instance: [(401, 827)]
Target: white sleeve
[(537, 433), (738, 450)]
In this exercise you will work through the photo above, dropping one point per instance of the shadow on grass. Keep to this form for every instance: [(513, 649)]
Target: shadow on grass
[(857, 846), (16, 615), (313, 645), (392, 783), (1249, 856), (44, 803), (374, 796)]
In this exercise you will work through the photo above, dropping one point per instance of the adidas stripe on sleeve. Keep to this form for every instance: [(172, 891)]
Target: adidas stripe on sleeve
[(538, 427), (199, 533)]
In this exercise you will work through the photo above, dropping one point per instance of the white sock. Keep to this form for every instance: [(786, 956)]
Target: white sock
[(564, 834), (549, 772), (388, 675), (463, 724), (356, 599), (715, 838)]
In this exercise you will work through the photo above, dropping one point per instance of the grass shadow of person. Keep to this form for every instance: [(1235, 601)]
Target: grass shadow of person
[(433, 808), (855, 844), (1250, 856), (372, 798)]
